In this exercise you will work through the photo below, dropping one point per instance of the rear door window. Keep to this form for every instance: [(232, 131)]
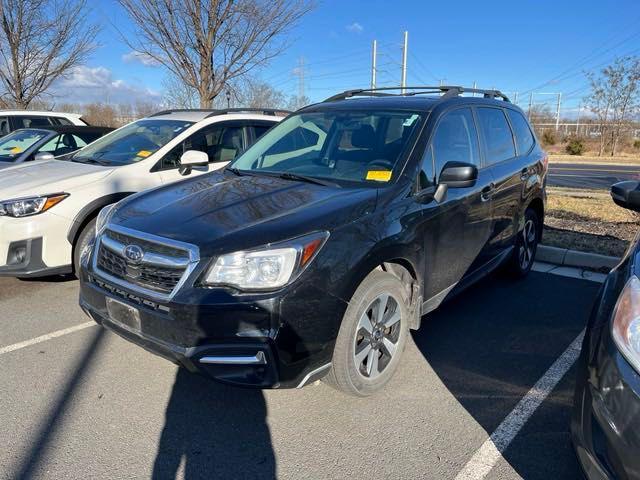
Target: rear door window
[(524, 137), (498, 139), (4, 126), (32, 121)]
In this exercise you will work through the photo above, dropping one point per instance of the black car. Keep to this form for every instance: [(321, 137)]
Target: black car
[(314, 252), (606, 419), (28, 144)]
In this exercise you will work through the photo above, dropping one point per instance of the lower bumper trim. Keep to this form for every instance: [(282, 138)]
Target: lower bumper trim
[(257, 359)]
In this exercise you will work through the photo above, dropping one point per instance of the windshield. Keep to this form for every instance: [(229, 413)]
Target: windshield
[(131, 143), (16, 143), (349, 146)]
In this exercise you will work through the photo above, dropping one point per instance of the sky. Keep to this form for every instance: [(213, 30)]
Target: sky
[(518, 46)]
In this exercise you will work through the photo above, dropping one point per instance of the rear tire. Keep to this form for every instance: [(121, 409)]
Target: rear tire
[(85, 237), (372, 336), (527, 239)]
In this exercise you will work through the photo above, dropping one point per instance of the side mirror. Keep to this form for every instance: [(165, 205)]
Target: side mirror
[(192, 158), (627, 194), (43, 156), (458, 175)]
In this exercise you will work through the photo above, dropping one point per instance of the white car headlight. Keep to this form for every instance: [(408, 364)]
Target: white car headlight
[(266, 268), (25, 207), (103, 217), (626, 322)]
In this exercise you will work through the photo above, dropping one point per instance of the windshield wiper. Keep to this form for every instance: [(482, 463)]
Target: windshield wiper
[(93, 161), (304, 178), (235, 171)]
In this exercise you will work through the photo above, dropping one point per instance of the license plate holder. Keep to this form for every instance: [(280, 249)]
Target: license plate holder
[(122, 314)]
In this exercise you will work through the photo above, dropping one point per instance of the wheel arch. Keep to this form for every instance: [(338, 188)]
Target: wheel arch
[(537, 205), (89, 212)]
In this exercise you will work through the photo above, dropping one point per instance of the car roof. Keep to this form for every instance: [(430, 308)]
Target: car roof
[(196, 115), (44, 113), (70, 129)]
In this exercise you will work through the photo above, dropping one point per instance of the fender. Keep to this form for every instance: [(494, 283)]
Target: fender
[(92, 207)]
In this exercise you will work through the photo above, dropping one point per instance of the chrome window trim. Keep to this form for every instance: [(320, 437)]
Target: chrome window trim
[(192, 250)]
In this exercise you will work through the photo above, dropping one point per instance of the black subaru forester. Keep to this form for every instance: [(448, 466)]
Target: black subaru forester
[(313, 253)]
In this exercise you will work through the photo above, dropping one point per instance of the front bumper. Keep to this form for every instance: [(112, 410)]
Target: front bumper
[(277, 340), (34, 246), (606, 422)]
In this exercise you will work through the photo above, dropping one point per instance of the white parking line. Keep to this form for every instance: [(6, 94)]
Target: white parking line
[(44, 338), (486, 457)]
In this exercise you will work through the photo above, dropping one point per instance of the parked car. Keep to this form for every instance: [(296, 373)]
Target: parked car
[(11, 120), (48, 209), (28, 144), (606, 418), (315, 252)]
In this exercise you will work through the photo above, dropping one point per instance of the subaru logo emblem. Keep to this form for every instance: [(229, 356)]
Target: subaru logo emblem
[(133, 253)]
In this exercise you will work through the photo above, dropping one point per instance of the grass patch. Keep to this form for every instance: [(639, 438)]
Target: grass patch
[(594, 159), (588, 223)]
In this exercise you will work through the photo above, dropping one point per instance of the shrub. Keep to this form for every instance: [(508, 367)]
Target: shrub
[(636, 144), (548, 137), (575, 146)]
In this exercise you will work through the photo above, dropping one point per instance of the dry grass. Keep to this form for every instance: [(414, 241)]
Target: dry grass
[(595, 160), (589, 223)]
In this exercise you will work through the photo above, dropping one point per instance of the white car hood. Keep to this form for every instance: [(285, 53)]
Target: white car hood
[(47, 177)]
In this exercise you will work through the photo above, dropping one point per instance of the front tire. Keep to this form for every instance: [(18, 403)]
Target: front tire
[(524, 253), (85, 237), (372, 336)]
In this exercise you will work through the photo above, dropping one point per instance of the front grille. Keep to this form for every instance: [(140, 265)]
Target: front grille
[(146, 274)]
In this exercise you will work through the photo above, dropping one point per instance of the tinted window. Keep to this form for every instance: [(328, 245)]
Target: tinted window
[(220, 143), (32, 122), (497, 135), (4, 126), (456, 139), (260, 130), (524, 137), (62, 121), (426, 178)]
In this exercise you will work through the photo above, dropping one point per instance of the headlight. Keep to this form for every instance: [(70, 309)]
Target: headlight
[(25, 207), (626, 322), (266, 268), (103, 217)]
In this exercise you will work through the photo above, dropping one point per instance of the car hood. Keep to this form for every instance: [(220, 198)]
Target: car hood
[(216, 210), (47, 177)]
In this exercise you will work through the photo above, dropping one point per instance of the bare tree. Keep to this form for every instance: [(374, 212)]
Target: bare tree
[(259, 94), (177, 94), (209, 43), (40, 42), (615, 99)]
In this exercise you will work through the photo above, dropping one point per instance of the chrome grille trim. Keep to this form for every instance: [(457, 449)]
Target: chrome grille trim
[(188, 263)]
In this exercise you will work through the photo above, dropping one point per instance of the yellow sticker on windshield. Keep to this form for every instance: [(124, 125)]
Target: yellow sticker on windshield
[(144, 153), (16, 150), (379, 175)]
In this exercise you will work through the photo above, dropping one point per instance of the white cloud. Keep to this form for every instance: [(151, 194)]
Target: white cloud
[(355, 27), (139, 57), (97, 84)]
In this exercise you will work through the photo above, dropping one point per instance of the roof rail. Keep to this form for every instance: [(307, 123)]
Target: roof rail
[(448, 91), (212, 112)]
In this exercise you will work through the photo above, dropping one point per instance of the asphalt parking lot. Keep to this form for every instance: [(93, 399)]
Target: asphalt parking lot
[(87, 404)]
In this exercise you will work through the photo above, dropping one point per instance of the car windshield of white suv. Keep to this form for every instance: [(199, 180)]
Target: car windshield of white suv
[(131, 143), (16, 143), (334, 146)]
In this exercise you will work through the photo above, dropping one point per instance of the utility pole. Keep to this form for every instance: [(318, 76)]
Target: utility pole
[(530, 105), (299, 71), (373, 63), (558, 112), (578, 120), (515, 98), (475, 85), (403, 81)]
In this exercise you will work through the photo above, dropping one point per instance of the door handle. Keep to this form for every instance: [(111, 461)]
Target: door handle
[(487, 192)]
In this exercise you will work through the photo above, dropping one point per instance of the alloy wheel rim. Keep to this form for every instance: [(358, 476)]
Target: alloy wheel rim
[(377, 336), (527, 244)]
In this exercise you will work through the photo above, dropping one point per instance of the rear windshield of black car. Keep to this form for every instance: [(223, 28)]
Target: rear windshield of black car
[(352, 146)]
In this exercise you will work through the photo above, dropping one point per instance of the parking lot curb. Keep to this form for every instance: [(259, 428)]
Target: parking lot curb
[(573, 258)]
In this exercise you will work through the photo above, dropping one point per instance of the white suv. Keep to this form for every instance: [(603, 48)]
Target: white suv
[(48, 209), (11, 120)]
